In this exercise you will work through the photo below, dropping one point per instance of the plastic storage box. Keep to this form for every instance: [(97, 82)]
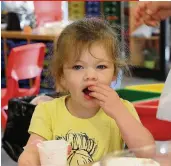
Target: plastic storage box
[(148, 87), (76, 10), (134, 95), (112, 12), (92, 8), (161, 130)]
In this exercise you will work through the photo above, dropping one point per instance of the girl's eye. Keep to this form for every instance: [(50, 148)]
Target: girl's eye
[(77, 67), (101, 67)]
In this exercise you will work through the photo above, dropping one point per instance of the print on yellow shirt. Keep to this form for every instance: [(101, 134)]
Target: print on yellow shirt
[(83, 148)]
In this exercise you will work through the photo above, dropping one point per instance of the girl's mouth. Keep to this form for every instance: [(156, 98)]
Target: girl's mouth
[(86, 91)]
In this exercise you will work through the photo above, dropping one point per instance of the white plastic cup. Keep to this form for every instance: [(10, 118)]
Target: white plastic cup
[(53, 153)]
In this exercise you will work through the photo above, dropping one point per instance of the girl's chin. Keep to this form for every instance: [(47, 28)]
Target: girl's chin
[(87, 101), (92, 104), (87, 97)]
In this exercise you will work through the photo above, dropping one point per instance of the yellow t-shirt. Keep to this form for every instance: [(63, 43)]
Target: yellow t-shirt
[(90, 139)]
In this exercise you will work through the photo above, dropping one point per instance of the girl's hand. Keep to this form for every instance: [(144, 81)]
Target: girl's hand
[(29, 158), (108, 99), (30, 155)]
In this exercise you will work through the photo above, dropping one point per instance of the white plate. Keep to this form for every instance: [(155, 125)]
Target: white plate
[(129, 162)]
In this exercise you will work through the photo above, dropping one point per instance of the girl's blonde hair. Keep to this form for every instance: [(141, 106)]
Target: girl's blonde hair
[(82, 34)]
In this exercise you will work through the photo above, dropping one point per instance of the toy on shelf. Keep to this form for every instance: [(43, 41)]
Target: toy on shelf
[(92, 9), (112, 12), (76, 10)]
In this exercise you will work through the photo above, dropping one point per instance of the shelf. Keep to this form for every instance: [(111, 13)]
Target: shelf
[(146, 38), (27, 36), (148, 73)]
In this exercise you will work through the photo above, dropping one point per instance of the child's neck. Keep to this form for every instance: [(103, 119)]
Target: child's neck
[(79, 111)]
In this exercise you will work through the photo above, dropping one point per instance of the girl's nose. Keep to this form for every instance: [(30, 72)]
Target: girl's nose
[(91, 75)]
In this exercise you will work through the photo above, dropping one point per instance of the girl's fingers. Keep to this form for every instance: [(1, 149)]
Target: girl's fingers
[(98, 96), (98, 102), (99, 90), (69, 149), (104, 86)]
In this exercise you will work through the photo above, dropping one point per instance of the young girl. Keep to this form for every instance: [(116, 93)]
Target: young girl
[(91, 118)]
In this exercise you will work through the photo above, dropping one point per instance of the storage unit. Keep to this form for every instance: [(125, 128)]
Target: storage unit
[(161, 130)]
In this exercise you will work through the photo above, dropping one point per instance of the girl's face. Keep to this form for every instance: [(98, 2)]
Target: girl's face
[(88, 70)]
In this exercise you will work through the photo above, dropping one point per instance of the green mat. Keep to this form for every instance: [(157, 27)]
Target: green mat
[(133, 95)]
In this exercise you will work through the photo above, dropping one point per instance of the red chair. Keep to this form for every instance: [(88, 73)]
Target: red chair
[(24, 62), (47, 11), (147, 110)]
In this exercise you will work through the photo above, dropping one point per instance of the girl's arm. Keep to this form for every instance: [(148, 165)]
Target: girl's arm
[(30, 155), (135, 134)]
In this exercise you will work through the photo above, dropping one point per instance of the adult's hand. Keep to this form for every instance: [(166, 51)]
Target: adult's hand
[(151, 13)]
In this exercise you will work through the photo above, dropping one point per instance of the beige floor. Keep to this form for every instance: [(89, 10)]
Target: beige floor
[(6, 161)]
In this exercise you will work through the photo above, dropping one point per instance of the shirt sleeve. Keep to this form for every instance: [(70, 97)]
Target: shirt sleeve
[(41, 123)]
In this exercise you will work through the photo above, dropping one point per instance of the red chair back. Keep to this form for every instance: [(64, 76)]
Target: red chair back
[(26, 61)]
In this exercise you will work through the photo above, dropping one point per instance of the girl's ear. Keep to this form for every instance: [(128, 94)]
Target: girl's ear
[(64, 84), (114, 78), (61, 87)]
